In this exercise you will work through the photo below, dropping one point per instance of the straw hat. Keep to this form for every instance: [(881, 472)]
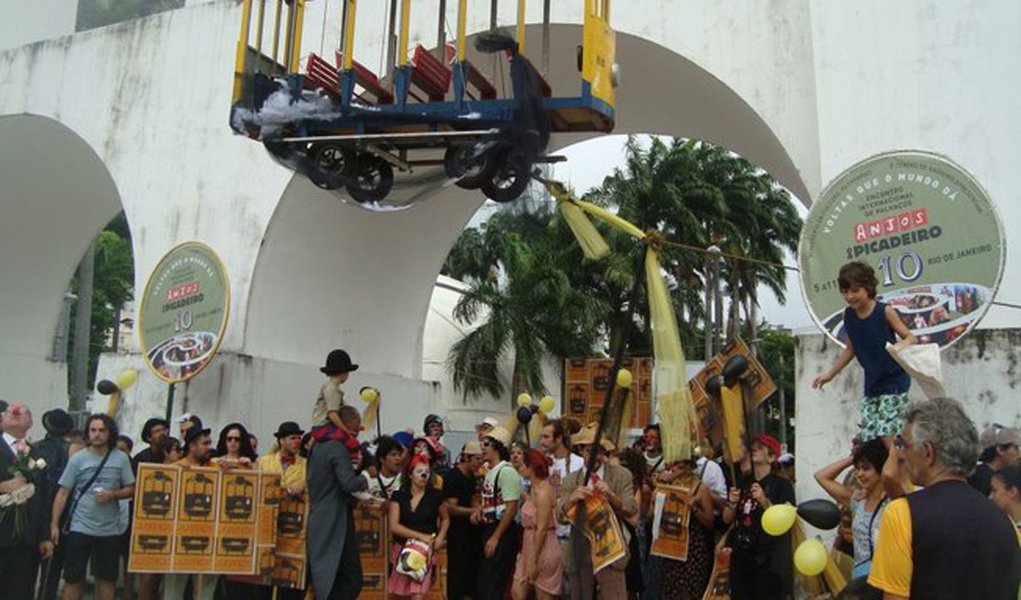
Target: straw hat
[(587, 437), (501, 435)]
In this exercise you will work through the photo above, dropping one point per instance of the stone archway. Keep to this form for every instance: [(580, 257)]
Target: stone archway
[(57, 195)]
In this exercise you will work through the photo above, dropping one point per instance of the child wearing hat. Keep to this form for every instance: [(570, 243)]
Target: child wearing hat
[(326, 421)]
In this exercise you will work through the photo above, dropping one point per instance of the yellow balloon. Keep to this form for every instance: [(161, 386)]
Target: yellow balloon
[(546, 405), (370, 395), (524, 399), (778, 519), (624, 378), (126, 379), (810, 557)]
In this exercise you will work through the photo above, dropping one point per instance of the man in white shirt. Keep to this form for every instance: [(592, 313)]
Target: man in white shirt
[(713, 478), (653, 448), (385, 478), (556, 441)]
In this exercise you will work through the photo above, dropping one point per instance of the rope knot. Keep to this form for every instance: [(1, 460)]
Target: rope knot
[(654, 240)]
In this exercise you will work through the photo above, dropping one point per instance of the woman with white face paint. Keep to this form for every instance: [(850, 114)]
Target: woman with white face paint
[(417, 512)]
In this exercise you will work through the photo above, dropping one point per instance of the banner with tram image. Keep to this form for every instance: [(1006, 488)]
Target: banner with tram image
[(672, 514), (202, 520), (928, 229), (281, 556)]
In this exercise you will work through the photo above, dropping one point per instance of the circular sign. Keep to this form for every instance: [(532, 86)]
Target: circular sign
[(928, 229), (184, 312)]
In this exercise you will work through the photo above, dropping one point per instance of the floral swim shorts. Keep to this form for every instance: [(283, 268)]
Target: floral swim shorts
[(882, 415)]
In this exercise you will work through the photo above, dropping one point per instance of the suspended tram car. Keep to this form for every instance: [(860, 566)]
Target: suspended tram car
[(344, 127)]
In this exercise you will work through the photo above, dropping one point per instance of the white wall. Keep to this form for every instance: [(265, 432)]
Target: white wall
[(261, 394), (936, 76), (981, 371)]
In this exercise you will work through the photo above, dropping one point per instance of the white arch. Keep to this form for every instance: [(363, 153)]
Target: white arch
[(57, 195)]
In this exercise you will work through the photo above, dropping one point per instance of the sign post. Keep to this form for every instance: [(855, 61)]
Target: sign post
[(928, 229), (183, 314)]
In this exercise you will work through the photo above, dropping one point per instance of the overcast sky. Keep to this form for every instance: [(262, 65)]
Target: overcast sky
[(589, 162)]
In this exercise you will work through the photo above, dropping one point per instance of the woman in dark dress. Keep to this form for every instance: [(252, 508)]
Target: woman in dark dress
[(417, 511), (689, 578)]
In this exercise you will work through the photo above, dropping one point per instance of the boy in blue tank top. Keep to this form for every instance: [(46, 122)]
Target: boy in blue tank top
[(870, 324)]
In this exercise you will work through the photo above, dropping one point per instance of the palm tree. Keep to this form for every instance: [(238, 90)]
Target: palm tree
[(528, 305), (663, 188), (539, 297), (699, 194), (761, 223)]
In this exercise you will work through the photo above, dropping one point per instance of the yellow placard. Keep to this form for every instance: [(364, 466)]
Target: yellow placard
[(602, 529), (203, 520), (672, 514)]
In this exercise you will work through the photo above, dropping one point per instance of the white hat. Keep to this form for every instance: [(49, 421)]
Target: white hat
[(183, 418), (488, 422), (786, 459)]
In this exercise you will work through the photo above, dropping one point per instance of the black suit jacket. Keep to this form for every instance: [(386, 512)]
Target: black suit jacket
[(37, 517)]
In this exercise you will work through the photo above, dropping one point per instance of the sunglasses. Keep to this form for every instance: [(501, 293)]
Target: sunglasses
[(233, 438)]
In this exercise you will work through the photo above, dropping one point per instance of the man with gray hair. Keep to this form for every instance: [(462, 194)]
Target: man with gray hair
[(946, 540)]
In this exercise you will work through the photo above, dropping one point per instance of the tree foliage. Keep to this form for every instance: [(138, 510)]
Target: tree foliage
[(526, 270), (776, 353), (522, 291), (113, 283)]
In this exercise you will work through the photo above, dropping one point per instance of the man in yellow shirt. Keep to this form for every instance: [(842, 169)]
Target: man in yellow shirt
[(945, 541), (284, 459)]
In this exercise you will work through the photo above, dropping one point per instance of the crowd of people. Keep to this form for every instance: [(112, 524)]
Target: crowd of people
[(500, 510), (934, 508)]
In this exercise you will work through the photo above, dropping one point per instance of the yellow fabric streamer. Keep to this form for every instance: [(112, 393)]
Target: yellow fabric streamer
[(611, 218), (673, 397), (589, 238)]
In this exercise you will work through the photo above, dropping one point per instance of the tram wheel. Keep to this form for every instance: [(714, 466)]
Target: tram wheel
[(370, 179), (509, 181), (328, 165), (469, 170)]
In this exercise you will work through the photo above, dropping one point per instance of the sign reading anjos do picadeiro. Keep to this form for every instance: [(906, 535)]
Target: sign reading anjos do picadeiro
[(927, 228), (184, 312)]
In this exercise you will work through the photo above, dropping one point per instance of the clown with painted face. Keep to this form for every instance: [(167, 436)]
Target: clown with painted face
[(417, 512)]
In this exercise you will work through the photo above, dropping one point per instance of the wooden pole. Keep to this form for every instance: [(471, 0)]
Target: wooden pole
[(579, 545)]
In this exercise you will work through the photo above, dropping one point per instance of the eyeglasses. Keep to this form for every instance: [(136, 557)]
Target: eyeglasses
[(232, 438)]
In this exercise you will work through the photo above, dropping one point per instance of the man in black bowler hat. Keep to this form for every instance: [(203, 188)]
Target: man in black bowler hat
[(54, 449)]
